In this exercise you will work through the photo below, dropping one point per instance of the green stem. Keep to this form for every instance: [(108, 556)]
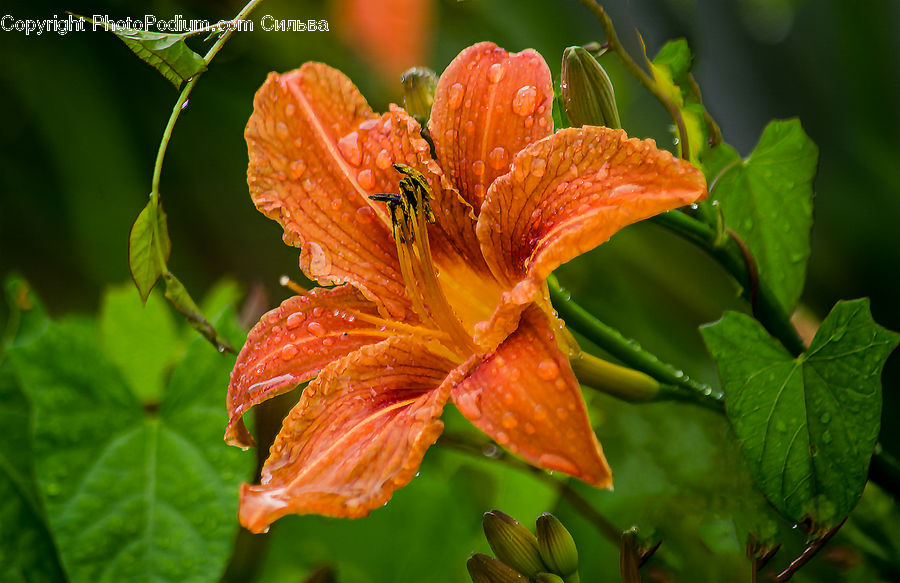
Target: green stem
[(612, 40), (726, 251), (564, 489), (186, 91), (676, 385)]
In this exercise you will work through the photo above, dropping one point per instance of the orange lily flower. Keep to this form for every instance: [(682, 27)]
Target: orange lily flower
[(425, 312)]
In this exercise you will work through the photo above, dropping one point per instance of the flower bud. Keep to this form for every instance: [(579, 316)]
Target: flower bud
[(512, 543), (587, 93), (419, 84), (556, 545), (485, 569), (548, 578)]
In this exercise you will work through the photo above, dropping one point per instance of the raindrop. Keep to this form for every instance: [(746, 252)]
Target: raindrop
[(282, 130), (383, 160), (525, 101), (529, 429), (540, 414), (349, 147), (502, 438), (498, 158), (289, 109), (366, 179), (469, 404), (825, 418), (298, 167), (548, 370), (369, 124), (552, 461), (495, 73), (478, 167), (288, 352), (315, 329), (826, 437), (509, 420), (538, 167), (185, 104), (298, 141), (319, 261), (457, 90), (294, 320), (365, 215)]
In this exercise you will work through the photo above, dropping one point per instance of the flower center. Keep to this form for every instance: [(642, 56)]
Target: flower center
[(410, 212)]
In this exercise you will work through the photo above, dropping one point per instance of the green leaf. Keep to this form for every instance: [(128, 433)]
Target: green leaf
[(140, 340), (132, 493), (767, 200), (807, 425), (27, 317), (149, 247), (179, 297), (167, 53)]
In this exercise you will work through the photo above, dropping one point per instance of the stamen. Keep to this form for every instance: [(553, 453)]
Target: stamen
[(287, 282), (398, 326)]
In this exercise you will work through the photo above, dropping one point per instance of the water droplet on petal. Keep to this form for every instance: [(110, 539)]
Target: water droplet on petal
[(498, 158), (478, 167), (366, 179), (288, 352), (383, 160), (495, 72), (552, 461), (548, 370), (525, 101), (502, 438), (469, 403), (319, 261), (282, 130), (298, 167), (294, 320), (289, 109), (365, 215), (538, 167), (540, 414), (349, 147), (479, 190), (509, 420), (316, 329), (369, 124), (455, 97), (529, 429)]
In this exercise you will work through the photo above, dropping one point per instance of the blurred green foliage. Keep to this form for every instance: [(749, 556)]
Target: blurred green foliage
[(83, 119)]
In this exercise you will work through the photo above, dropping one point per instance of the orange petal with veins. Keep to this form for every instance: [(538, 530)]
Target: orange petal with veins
[(567, 194), (526, 398), (488, 105), (291, 344), (358, 433), (310, 171)]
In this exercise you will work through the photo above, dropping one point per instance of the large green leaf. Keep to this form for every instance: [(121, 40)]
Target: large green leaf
[(132, 494), (767, 200), (807, 425)]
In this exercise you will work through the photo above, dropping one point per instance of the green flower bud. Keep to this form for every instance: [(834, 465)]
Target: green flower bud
[(556, 545), (629, 557), (485, 569), (548, 578), (419, 84), (587, 93), (512, 543)]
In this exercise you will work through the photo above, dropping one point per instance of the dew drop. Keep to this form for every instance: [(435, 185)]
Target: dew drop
[(288, 352), (469, 404), (525, 101), (383, 160), (562, 413), (495, 73), (540, 414), (366, 179), (552, 461), (298, 167), (502, 438), (509, 420), (328, 341), (316, 329), (529, 123), (319, 261), (336, 204), (529, 429), (548, 370), (469, 127), (478, 167), (349, 147), (826, 437), (498, 158), (825, 418), (538, 167), (479, 190), (508, 397), (455, 97), (365, 215), (369, 124), (282, 130), (298, 141), (294, 320)]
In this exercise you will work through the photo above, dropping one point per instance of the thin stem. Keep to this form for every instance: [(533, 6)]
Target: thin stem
[(612, 40), (808, 553), (677, 385), (727, 252), (186, 91), (578, 502)]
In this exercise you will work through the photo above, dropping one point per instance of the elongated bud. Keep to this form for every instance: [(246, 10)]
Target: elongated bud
[(587, 92), (512, 543), (419, 84), (485, 569), (557, 546), (629, 559), (548, 578)]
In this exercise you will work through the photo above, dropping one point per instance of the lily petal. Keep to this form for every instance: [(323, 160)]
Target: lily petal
[(572, 191), (525, 396), (310, 171), (291, 344), (488, 105), (358, 433)]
